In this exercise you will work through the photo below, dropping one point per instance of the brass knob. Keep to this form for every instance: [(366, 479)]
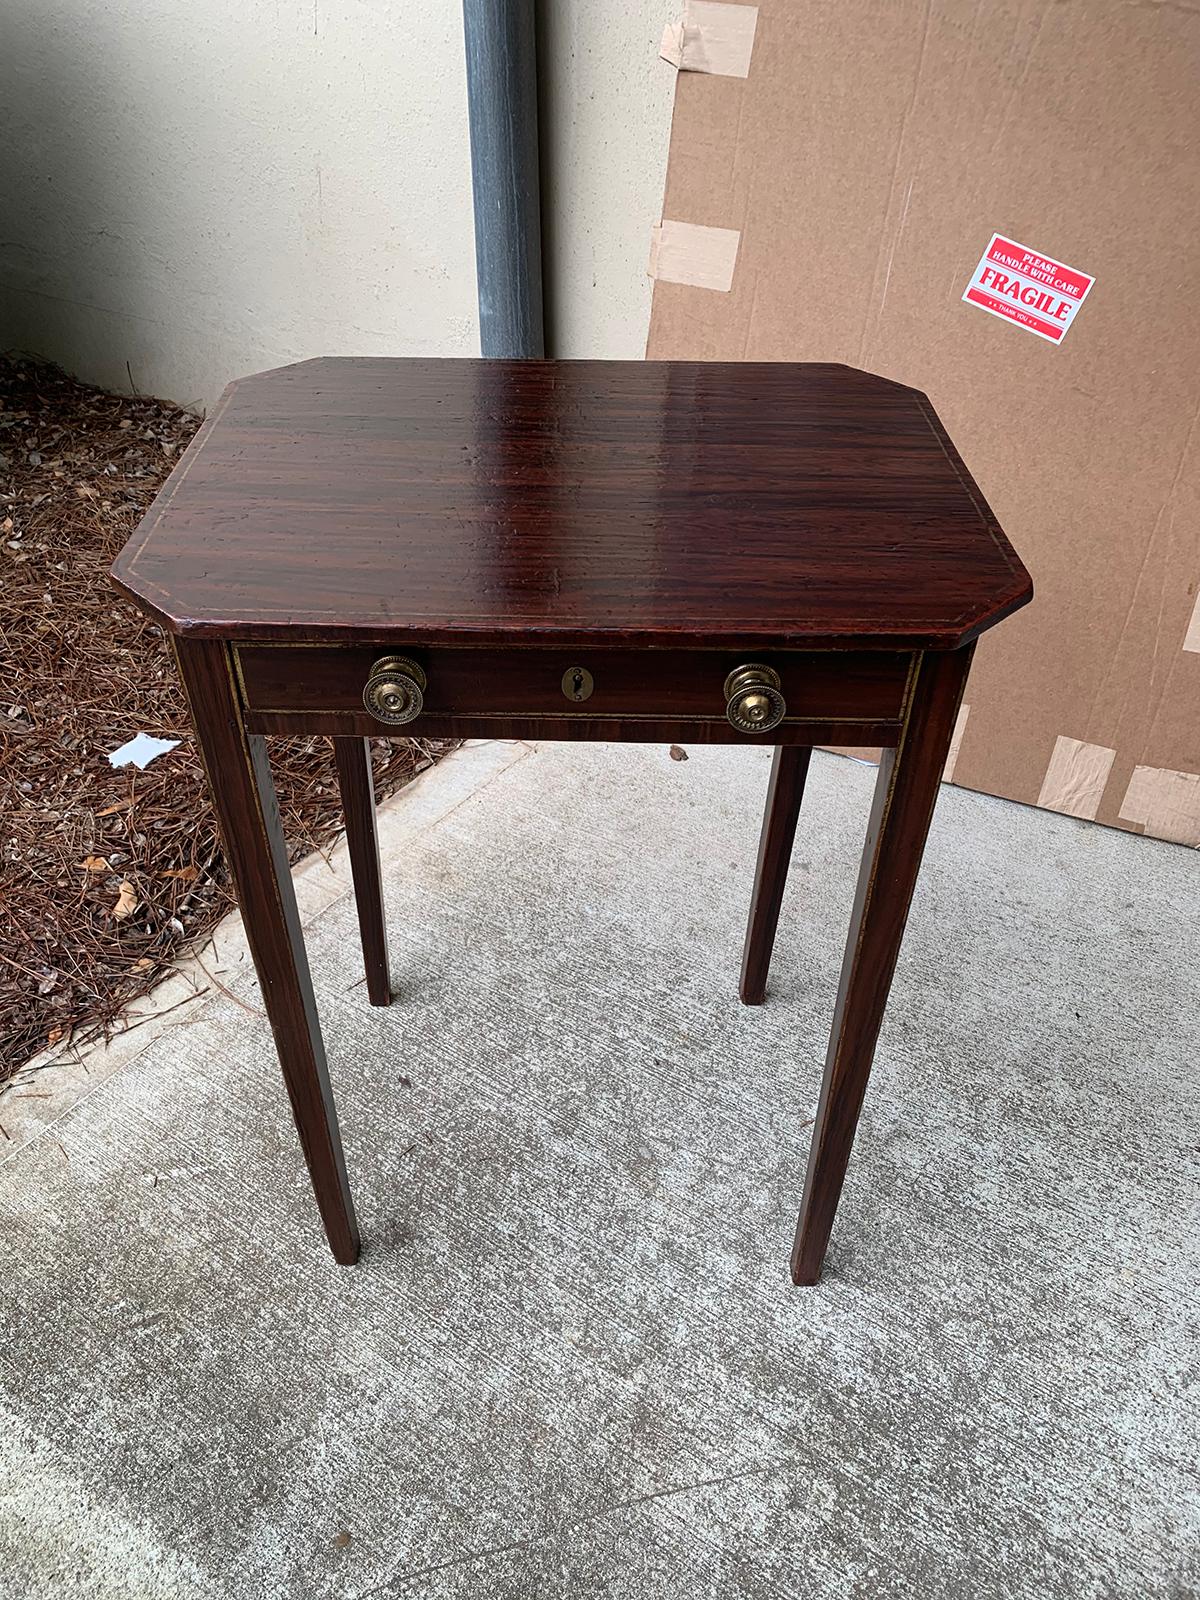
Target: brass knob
[(395, 691), (753, 702)]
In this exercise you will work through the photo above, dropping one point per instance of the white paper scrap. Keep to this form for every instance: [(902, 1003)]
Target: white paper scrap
[(140, 751)]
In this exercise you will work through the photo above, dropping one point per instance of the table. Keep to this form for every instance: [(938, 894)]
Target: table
[(779, 554)]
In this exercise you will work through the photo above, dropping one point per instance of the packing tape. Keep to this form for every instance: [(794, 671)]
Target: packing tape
[(1075, 779), (1166, 803), (956, 739), (710, 37), (1191, 639), (686, 252)]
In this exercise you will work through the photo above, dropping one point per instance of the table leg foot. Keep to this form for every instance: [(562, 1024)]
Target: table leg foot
[(244, 800), (905, 794)]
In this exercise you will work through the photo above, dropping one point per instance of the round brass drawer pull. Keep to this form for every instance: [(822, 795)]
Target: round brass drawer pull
[(395, 691), (753, 702)]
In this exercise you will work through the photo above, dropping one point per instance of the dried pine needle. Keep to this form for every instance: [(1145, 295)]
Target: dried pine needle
[(109, 874)]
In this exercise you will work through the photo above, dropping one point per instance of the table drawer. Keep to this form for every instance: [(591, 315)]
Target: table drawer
[(322, 688)]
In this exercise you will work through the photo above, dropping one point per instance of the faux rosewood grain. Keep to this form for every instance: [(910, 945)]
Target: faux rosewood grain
[(353, 760), (244, 800), (846, 686), (504, 523), (906, 791), (637, 503), (649, 730), (785, 793)]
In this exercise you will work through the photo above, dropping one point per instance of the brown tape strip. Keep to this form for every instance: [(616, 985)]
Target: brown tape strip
[(956, 739), (686, 252), (1191, 639), (1166, 803), (711, 37), (1075, 778)]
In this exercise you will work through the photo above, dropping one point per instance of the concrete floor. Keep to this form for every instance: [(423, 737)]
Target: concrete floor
[(570, 1361)]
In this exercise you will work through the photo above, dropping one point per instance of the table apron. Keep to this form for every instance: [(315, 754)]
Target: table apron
[(653, 730), (855, 697)]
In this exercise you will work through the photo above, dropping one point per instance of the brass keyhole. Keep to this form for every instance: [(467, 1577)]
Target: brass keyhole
[(577, 683)]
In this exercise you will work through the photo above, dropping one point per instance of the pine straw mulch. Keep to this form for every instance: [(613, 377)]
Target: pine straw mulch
[(109, 874)]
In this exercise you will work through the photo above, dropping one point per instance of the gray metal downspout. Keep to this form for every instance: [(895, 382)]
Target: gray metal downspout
[(502, 111)]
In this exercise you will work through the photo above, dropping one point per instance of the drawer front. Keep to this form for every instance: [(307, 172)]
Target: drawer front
[(497, 689)]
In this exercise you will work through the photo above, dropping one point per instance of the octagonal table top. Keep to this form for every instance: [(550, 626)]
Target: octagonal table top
[(390, 500)]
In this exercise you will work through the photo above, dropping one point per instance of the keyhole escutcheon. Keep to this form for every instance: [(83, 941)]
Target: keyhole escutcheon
[(577, 683)]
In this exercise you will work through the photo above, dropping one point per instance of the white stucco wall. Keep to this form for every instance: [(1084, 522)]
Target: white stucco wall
[(203, 188), (206, 187), (606, 108)]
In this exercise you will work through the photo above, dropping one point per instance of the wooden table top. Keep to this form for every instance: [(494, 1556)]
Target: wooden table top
[(631, 503)]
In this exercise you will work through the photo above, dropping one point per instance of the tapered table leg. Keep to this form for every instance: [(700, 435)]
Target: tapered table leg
[(905, 794), (244, 800), (353, 757), (785, 792)]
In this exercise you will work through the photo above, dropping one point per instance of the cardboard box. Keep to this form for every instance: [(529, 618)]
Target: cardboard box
[(866, 162)]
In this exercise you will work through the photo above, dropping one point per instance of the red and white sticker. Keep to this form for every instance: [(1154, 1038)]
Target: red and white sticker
[(1029, 289)]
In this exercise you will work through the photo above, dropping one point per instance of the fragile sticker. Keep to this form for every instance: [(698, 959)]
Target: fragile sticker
[(1028, 288)]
